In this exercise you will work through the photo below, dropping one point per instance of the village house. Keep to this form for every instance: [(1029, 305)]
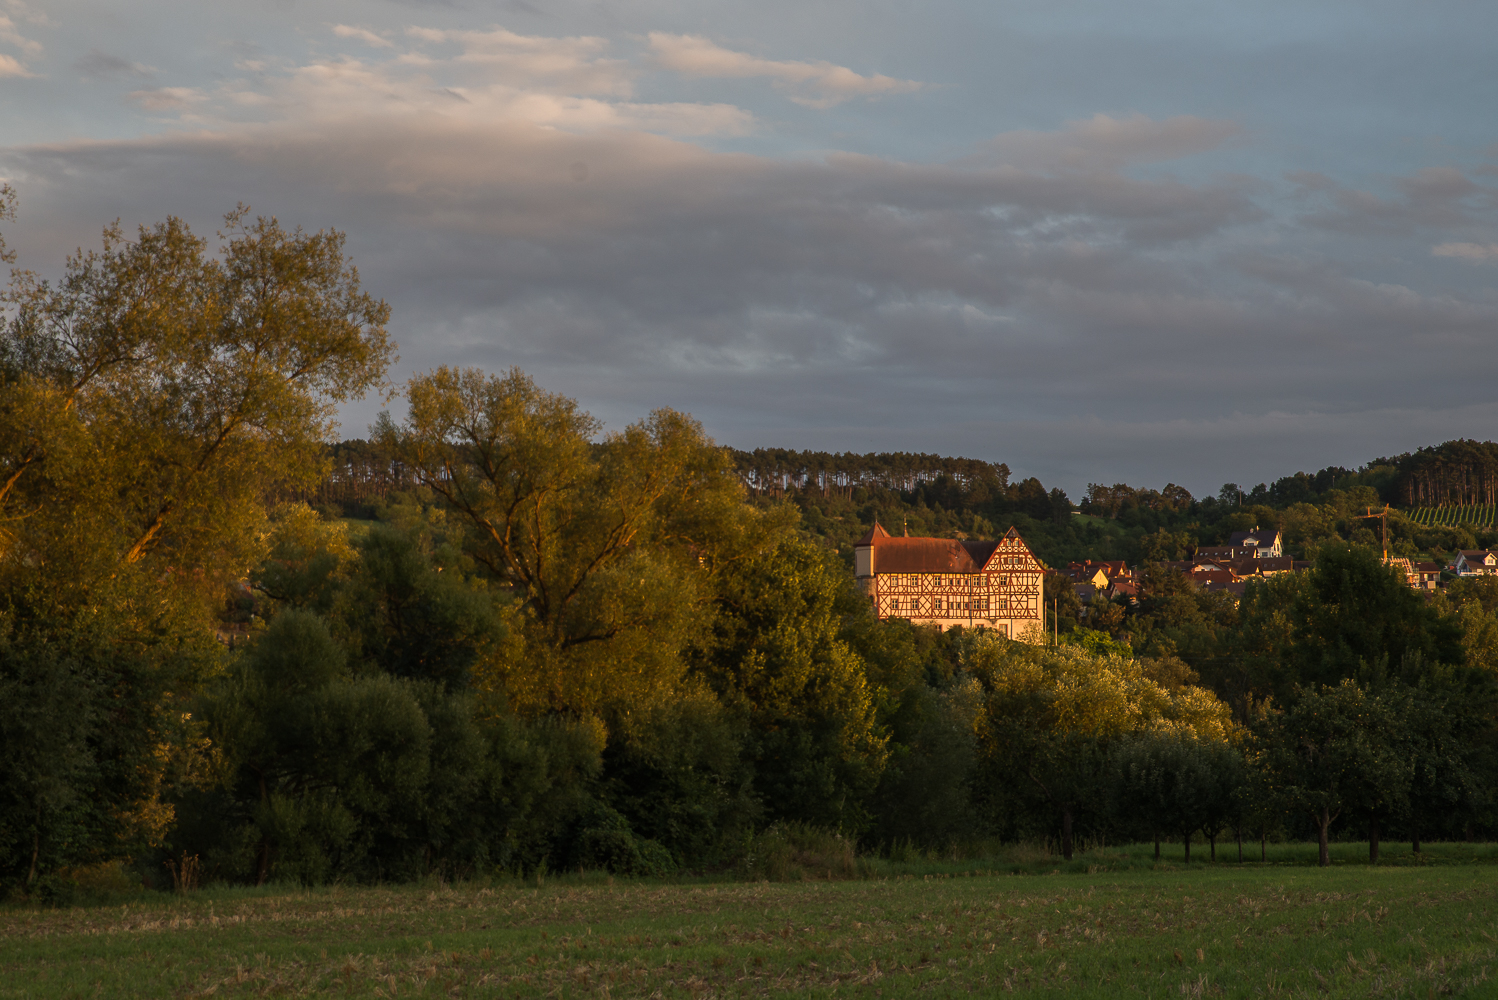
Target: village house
[(1474, 562), (1419, 575), (1266, 543), (1221, 554), (1098, 573), (949, 582)]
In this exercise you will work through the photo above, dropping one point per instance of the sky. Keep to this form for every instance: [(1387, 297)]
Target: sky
[(1190, 242)]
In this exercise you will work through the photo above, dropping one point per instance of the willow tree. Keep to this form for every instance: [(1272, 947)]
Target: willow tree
[(609, 544), (153, 401)]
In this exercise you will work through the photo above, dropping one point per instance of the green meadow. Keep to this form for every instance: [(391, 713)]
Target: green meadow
[(1111, 923)]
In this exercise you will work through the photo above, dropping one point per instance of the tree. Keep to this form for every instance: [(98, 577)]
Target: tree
[(153, 398), (152, 403), (1340, 620), (1334, 749), (776, 656), (1053, 715), (1176, 782), (1448, 730), (609, 548)]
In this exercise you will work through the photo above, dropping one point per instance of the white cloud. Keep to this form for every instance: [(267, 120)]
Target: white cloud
[(1478, 253), (362, 34), (11, 35), (576, 64), (486, 78), (816, 84), (11, 66)]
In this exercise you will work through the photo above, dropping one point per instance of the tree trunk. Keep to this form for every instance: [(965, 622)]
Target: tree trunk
[(1415, 837), (1239, 832), (1157, 846), (1263, 844), (1066, 834), (36, 846), (1323, 858), (1373, 840), (264, 866), (1186, 839), (1212, 840)]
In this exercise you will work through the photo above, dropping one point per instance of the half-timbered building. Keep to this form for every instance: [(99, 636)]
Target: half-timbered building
[(946, 582)]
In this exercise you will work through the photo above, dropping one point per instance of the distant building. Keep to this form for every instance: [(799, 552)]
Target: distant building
[(1098, 573), (947, 582), (1265, 566), (1419, 575), (1222, 554), (1474, 562), (1263, 543)]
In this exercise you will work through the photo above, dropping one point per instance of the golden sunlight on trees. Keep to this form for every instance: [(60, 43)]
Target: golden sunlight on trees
[(156, 395), (609, 547), (152, 402), (511, 642)]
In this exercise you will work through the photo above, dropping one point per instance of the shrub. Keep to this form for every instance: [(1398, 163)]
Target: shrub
[(789, 852)]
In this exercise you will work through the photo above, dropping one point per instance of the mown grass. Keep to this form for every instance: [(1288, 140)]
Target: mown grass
[(1281, 930)]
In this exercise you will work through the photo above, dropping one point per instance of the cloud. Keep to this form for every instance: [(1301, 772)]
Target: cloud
[(11, 35), (168, 99), (1477, 253), (98, 63), (362, 34), (1105, 143), (816, 84), (480, 77), (11, 66), (520, 200), (577, 64), (1440, 198)]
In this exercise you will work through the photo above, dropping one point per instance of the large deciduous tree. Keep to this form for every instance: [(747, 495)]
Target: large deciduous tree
[(608, 543), (153, 401)]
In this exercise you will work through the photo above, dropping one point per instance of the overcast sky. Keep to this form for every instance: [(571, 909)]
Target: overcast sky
[(1190, 241)]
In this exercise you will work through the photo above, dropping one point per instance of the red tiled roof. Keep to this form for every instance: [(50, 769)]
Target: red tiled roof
[(877, 531), (931, 555)]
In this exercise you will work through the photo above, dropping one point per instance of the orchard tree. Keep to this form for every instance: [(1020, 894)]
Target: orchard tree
[(1052, 716), (1337, 749)]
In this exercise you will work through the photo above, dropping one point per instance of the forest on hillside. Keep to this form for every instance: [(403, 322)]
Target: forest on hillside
[(535, 645)]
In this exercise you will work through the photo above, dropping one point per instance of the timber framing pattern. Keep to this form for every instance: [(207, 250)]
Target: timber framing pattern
[(947, 582)]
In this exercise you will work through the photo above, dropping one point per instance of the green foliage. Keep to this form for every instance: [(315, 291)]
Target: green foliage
[(1348, 617), (680, 775), (1174, 782), (545, 646), (797, 852), (601, 839), (1096, 643), (1337, 748), (777, 657)]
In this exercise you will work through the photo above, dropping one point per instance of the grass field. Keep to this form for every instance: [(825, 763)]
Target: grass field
[(940, 929)]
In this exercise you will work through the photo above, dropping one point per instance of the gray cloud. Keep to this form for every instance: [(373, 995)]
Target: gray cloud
[(98, 63), (1075, 302)]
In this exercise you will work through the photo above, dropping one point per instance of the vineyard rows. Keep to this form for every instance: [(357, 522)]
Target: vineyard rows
[(1477, 515)]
